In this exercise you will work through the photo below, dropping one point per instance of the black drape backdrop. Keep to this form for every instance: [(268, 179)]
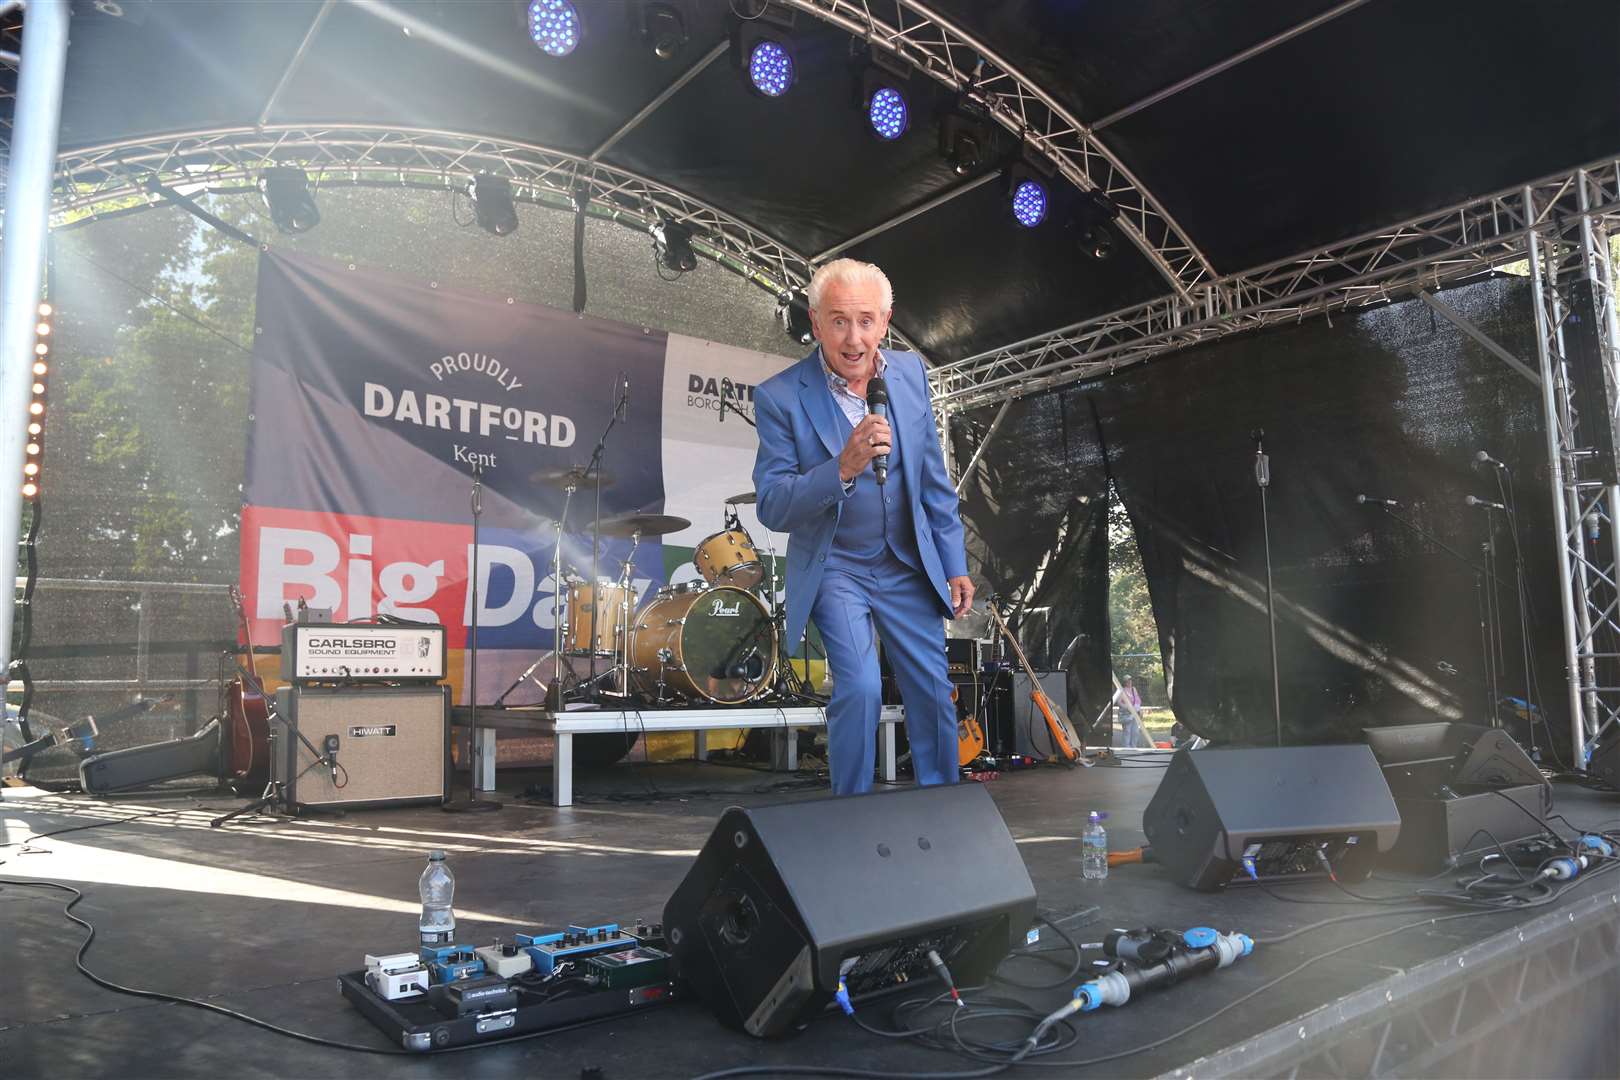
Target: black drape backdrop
[(1376, 624)]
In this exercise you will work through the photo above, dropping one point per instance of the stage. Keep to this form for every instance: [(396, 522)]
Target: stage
[(262, 916)]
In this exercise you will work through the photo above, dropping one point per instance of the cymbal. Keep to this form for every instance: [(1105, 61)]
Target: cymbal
[(560, 478), (645, 524), (745, 497)]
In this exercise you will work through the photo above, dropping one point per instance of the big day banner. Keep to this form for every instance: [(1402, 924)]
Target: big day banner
[(374, 396)]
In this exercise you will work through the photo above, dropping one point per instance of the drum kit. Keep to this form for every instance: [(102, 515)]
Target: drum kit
[(714, 641)]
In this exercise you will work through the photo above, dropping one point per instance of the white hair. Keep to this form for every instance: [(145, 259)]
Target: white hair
[(850, 272)]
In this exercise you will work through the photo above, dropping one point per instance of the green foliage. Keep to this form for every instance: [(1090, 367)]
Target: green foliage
[(1134, 634)]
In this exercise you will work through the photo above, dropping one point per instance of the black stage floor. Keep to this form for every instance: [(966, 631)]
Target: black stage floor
[(262, 916)]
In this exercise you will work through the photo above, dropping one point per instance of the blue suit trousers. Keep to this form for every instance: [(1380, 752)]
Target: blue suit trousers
[(852, 608)]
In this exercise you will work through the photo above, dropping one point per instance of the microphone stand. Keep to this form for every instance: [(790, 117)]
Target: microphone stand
[(473, 803), (1262, 478), (1509, 500), (595, 466), (1486, 631)]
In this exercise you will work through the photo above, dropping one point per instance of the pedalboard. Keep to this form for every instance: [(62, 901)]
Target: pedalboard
[(445, 996)]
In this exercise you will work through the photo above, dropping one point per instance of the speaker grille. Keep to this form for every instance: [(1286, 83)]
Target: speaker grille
[(392, 745)]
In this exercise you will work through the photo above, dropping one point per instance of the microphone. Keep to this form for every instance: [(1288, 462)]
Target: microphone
[(624, 396), (1262, 463), (877, 403), (725, 391), (1482, 458), (1365, 500), (1475, 501)]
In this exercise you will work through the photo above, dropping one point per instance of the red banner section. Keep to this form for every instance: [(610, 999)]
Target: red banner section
[(356, 566)]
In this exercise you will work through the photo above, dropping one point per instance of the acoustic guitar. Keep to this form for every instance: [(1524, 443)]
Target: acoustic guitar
[(1064, 739)]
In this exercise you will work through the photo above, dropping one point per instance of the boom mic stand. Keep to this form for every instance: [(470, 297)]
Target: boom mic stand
[(1482, 579), (1262, 478), (473, 803), (620, 407)]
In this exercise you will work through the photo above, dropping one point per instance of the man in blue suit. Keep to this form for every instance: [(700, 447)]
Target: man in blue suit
[(865, 559)]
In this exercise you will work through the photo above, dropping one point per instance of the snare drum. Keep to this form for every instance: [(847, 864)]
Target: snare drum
[(729, 558), (715, 644), (610, 617)]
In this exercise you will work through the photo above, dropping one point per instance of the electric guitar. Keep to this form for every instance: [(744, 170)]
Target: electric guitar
[(969, 736), (1063, 736)]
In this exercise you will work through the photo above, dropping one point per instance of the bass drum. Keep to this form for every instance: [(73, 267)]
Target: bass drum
[(716, 645)]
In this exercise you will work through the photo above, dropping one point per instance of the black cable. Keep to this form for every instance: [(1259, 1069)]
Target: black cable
[(1066, 979), (208, 1006)]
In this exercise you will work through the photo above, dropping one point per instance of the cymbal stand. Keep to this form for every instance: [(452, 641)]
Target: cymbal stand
[(554, 692), (621, 629)]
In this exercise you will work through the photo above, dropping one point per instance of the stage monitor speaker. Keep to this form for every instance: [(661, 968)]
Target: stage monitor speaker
[(393, 746), (783, 901), (1219, 813), (1422, 759)]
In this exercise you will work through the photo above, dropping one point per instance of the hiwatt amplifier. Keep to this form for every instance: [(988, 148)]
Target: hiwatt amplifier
[(349, 747), (362, 652)]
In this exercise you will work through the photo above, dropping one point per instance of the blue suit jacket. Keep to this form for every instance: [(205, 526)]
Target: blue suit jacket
[(796, 475)]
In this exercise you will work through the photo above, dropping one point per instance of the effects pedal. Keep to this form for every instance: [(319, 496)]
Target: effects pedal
[(505, 960), (575, 943), (396, 976)]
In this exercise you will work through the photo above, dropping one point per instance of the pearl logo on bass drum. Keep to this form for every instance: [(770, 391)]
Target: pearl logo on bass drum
[(362, 652), (720, 609)]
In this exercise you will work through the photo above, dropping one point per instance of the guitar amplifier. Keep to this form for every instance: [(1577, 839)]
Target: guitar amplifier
[(392, 746), (363, 652)]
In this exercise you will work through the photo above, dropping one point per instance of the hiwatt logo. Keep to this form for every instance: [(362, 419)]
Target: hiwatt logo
[(386, 730), (705, 392), (467, 415)]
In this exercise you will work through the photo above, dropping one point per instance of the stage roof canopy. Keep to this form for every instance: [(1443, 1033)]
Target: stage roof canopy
[(1374, 112)]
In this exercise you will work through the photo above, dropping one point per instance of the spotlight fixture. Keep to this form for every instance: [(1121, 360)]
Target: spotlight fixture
[(964, 142), (661, 26), (672, 241), (554, 26), (793, 312), (761, 49), (492, 204), (289, 200), (1029, 203), (1093, 234), (882, 98), (1029, 189)]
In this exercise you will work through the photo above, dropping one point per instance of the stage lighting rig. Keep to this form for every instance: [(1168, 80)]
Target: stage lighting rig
[(964, 142), (672, 243), (661, 26), (287, 196), (492, 204), (36, 406), (762, 50), (793, 312), (553, 26), (882, 95), (1093, 234)]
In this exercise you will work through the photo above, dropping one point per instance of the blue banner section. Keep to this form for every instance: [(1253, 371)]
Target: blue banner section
[(377, 395)]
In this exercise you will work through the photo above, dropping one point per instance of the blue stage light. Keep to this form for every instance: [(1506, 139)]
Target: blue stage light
[(1029, 204), (554, 26), (770, 69), (887, 112)]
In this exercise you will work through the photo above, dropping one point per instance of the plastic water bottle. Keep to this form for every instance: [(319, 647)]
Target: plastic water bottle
[(438, 889), (1094, 848)]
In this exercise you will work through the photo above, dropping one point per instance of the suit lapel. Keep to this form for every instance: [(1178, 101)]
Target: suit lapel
[(905, 405), (819, 404)]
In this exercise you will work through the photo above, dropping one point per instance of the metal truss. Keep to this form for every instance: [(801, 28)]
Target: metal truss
[(1574, 287), (115, 179), (1511, 1005), (1375, 267), (951, 56)]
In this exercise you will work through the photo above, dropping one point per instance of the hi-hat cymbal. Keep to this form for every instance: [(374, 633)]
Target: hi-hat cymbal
[(572, 475), (645, 524), (745, 497)]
